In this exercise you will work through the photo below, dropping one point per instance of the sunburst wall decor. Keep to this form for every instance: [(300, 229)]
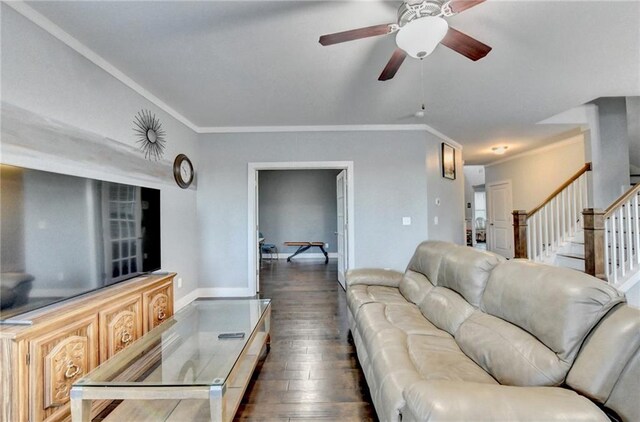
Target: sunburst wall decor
[(150, 134)]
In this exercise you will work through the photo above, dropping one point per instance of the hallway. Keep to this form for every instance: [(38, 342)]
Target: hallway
[(311, 372)]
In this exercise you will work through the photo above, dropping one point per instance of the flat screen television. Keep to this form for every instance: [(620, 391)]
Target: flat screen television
[(62, 236)]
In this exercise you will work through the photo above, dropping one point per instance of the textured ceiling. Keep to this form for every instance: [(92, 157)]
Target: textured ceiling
[(241, 63)]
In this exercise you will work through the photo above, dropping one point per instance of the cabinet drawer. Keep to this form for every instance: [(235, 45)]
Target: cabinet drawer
[(58, 359), (120, 325), (157, 305)]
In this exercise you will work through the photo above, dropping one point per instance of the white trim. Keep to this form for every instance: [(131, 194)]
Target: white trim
[(252, 241), (184, 300), (329, 128), (575, 138), (211, 292), (72, 42), (225, 292)]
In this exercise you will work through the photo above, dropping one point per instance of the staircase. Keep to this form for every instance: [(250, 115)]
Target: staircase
[(553, 229), (571, 253), (562, 231)]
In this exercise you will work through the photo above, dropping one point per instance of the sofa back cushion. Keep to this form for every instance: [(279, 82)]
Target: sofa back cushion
[(559, 306), (445, 309), (466, 271), (536, 316), (507, 352), (459, 268), (414, 286), (607, 368)]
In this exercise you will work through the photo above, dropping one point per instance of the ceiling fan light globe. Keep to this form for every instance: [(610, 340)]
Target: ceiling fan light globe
[(420, 37)]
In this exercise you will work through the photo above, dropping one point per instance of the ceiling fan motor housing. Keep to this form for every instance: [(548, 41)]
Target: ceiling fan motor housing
[(420, 37)]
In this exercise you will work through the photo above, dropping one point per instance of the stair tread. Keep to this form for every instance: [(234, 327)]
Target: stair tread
[(571, 255)]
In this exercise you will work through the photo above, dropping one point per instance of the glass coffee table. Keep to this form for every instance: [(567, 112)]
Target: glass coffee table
[(182, 370)]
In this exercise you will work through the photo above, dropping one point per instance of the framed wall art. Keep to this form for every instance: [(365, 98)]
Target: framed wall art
[(448, 161)]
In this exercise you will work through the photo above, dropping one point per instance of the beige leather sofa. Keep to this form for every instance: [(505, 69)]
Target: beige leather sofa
[(464, 335)]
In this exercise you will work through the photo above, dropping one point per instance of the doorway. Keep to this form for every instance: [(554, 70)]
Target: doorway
[(344, 196), (499, 218)]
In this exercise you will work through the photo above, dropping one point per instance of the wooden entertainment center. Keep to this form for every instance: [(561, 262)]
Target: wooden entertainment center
[(40, 362)]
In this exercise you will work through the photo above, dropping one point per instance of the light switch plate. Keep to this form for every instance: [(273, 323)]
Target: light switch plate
[(406, 221)]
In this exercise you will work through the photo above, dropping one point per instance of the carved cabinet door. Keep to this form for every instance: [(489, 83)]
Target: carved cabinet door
[(59, 358), (121, 325), (157, 305)]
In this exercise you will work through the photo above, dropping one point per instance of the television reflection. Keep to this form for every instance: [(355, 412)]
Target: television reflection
[(62, 236)]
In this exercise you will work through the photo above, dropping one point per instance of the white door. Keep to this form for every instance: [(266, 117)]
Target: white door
[(499, 219), (341, 193), (256, 234)]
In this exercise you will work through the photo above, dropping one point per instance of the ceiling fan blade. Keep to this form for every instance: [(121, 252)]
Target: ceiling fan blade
[(458, 6), (356, 34), (393, 65), (465, 45)]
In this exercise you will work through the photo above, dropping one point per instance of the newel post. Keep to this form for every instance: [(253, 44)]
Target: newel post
[(594, 242), (520, 234)]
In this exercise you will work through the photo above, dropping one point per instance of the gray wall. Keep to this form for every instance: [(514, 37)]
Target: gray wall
[(298, 205), (609, 148), (45, 76), (534, 176), (396, 174)]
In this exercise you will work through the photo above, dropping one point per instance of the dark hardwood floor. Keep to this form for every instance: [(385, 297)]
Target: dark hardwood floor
[(311, 371)]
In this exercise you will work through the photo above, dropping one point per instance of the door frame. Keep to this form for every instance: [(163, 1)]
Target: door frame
[(488, 187), (252, 174)]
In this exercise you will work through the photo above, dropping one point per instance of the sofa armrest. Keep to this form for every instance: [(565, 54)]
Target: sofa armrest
[(374, 277), (466, 401)]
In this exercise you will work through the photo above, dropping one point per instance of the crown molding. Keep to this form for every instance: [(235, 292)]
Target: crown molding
[(330, 128), (43, 22)]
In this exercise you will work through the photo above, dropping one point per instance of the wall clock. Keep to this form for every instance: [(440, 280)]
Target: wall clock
[(183, 171), (150, 134)]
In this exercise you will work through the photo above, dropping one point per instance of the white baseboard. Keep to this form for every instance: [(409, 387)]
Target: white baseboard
[(212, 292), (184, 300), (303, 255)]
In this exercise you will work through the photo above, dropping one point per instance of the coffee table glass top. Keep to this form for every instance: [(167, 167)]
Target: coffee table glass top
[(185, 350)]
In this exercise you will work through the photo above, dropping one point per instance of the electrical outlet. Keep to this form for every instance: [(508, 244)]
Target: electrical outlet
[(179, 282), (326, 245), (406, 221)]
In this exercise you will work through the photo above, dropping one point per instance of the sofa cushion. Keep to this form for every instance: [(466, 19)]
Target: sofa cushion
[(510, 354), (431, 401), (440, 358), (427, 257), (414, 286), (559, 306), (606, 353), (361, 294), (410, 320), (466, 271), (446, 309), (381, 325)]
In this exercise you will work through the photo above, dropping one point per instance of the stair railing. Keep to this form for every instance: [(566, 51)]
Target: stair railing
[(613, 254), (541, 231)]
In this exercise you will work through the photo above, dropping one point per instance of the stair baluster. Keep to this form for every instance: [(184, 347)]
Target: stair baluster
[(539, 233)]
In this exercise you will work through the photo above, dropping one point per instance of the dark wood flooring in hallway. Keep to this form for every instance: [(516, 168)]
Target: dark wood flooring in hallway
[(312, 372)]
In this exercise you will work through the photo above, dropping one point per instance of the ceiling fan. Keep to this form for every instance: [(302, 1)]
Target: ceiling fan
[(419, 29)]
